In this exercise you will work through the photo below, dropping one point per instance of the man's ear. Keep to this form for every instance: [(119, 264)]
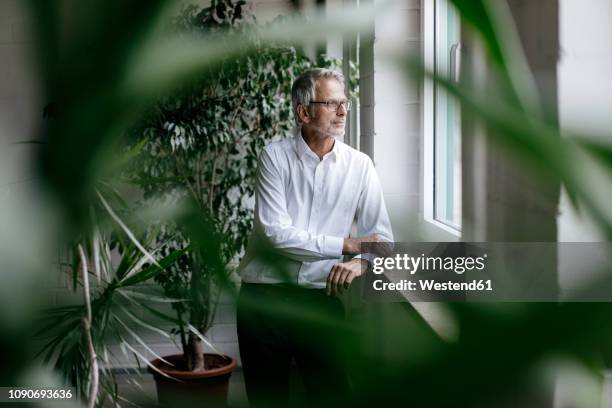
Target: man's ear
[(303, 113)]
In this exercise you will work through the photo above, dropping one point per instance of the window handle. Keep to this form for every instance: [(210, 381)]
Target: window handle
[(455, 62)]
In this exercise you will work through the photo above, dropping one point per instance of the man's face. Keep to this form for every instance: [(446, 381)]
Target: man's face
[(323, 122)]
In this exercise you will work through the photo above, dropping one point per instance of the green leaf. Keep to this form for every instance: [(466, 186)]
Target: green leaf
[(152, 270), (159, 314), (600, 149), (139, 340)]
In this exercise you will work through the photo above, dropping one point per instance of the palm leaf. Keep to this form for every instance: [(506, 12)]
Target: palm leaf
[(127, 231), (139, 340), (152, 270)]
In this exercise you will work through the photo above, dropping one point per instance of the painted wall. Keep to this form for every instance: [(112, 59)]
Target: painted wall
[(391, 116), (585, 89), (20, 111), (391, 131)]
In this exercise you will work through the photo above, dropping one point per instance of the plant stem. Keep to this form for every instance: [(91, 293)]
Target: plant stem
[(182, 331), (93, 383), (200, 197), (186, 177), (212, 184), (195, 358), (195, 354)]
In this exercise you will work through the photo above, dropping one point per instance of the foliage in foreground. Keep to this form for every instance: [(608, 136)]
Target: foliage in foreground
[(499, 347)]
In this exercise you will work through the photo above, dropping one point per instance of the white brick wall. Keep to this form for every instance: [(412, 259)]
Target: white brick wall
[(585, 89), (391, 114), (20, 111), (392, 133)]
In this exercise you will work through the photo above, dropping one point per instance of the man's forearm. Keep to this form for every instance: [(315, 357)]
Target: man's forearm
[(352, 246), (348, 246), (302, 246)]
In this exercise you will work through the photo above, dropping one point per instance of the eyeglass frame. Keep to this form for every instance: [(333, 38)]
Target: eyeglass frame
[(347, 105)]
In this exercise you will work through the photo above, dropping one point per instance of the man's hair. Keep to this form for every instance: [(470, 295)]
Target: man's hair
[(303, 90)]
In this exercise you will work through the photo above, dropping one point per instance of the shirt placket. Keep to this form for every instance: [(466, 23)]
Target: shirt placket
[(317, 197)]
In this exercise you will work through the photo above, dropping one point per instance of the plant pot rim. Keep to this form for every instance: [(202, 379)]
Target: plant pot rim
[(191, 375)]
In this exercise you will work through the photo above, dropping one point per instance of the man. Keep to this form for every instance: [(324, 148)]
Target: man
[(310, 190)]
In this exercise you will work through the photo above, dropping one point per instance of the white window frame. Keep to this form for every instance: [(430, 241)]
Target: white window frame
[(428, 117)]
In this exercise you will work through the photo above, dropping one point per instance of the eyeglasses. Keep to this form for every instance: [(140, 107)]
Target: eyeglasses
[(333, 106)]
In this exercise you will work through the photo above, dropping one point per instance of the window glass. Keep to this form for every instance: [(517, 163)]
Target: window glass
[(447, 118)]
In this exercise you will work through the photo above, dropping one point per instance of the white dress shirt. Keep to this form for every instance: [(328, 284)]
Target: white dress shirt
[(305, 207)]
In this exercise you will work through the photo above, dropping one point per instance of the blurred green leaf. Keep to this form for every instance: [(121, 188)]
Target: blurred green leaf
[(152, 270)]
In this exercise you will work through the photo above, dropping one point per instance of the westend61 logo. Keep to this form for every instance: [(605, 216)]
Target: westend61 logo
[(487, 272), (437, 274), (412, 264)]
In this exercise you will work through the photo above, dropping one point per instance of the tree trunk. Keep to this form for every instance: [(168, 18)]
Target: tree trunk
[(194, 353)]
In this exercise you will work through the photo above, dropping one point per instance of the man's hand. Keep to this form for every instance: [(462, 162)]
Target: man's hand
[(352, 246), (342, 274)]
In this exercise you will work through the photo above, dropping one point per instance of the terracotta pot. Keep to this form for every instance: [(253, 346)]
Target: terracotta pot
[(186, 388)]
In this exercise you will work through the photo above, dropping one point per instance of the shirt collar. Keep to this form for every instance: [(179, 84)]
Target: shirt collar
[(301, 148)]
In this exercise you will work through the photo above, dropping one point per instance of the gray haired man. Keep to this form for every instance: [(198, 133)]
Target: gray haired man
[(310, 190)]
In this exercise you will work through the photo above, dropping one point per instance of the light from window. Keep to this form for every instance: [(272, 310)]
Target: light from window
[(447, 118)]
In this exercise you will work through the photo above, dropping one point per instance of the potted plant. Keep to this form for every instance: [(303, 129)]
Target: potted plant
[(111, 266), (201, 144)]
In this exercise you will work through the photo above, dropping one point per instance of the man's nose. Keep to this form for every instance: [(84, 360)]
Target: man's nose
[(342, 110)]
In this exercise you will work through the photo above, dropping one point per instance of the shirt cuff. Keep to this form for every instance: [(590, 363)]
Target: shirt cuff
[(332, 246)]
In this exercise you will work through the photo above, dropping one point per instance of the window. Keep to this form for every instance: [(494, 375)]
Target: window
[(442, 118)]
